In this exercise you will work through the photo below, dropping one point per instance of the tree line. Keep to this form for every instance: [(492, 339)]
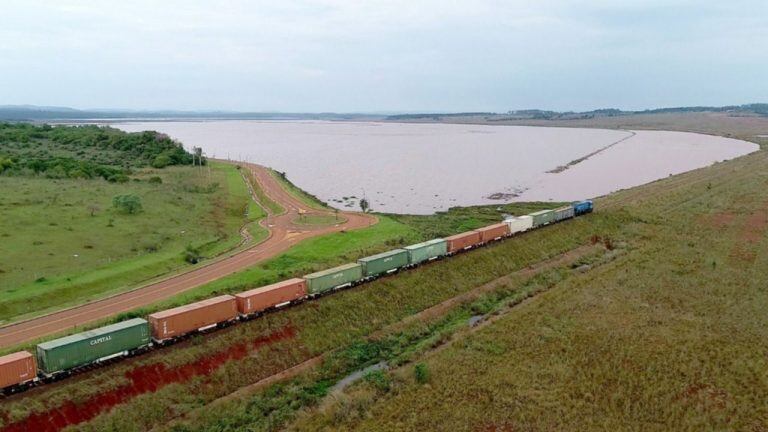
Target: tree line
[(87, 151)]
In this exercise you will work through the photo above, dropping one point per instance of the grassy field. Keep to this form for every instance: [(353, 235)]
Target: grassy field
[(63, 242)]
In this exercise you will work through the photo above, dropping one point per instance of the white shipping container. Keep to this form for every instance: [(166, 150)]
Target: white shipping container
[(519, 224)]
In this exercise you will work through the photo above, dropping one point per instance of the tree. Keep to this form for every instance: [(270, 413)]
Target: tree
[(128, 204), (364, 205)]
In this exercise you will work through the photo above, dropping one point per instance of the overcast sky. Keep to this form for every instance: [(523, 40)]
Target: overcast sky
[(374, 56)]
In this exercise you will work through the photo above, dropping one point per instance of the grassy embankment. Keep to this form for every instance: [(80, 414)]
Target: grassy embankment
[(667, 331)]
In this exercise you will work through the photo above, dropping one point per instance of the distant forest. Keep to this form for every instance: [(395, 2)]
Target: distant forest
[(84, 151)]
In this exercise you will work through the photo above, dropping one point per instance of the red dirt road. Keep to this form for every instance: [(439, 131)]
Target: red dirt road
[(283, 234)]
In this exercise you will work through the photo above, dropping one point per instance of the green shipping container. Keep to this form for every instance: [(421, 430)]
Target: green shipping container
[(384, 262), (425, 251), (328, 279), (87, 347), (542, 217)]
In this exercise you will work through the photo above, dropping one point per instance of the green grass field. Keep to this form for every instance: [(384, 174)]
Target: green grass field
[(55, 253)]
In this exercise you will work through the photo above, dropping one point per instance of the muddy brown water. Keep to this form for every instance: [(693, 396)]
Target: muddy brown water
[(423, 168)]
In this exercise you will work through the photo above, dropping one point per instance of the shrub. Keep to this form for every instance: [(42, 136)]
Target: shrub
[(155, 180), (421, 373), (161, 161), (128, 204), (192, 255), (379, 379)]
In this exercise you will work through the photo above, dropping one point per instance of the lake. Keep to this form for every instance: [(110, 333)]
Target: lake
[(423, 168)]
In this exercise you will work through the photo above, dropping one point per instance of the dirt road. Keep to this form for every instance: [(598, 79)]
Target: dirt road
[(283, 234)]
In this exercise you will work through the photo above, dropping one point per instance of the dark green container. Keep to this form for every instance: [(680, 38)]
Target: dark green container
[(87, 347), (384, 262), (542, 217), (327, 280), (421, 252)]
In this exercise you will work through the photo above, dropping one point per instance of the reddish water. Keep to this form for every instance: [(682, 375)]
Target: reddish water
[(143, 379), (423, 168)]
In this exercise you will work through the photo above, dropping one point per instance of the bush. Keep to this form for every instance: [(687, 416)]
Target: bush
[(192, 255), (128, 204), (161, 161), (379, 379), (155, 180), (421, 373)]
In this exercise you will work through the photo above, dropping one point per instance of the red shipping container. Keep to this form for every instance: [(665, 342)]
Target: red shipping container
[(493, 232), (17, 368), (265, 297), (188, 318), (461, 241)]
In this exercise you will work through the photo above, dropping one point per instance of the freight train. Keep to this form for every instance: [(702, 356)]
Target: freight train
[(64, 356)]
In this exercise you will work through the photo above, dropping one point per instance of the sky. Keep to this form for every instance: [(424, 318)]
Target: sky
[(383, 56)]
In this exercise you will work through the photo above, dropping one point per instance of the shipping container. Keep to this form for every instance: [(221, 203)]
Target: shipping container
[(327, 280), (542, 217), (493, 232), (462, 241), (519, 224), (582, 207), (87, 347), (563, 213), (426, 251), (186, 319), (384, 262), (16, 369), (259, 299)]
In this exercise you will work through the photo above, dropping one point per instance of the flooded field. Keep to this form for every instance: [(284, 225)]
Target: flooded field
[(423, 168)]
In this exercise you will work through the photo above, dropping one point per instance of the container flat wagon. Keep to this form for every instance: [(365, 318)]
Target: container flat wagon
[(16, 370), (426, 251), (543, 217), (336, 277), (263, 298), (563, 213), (385, 262), (462, 241), (493, 232), (176, 322), (519, 224), (91, 346), (582, 207)]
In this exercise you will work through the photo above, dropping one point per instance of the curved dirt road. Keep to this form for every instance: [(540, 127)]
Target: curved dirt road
[(283, 234)]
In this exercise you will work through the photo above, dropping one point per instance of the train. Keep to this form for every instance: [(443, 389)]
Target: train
[(62, 357)]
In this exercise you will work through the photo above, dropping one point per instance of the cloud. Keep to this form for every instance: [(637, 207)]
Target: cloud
[(382, 55)]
